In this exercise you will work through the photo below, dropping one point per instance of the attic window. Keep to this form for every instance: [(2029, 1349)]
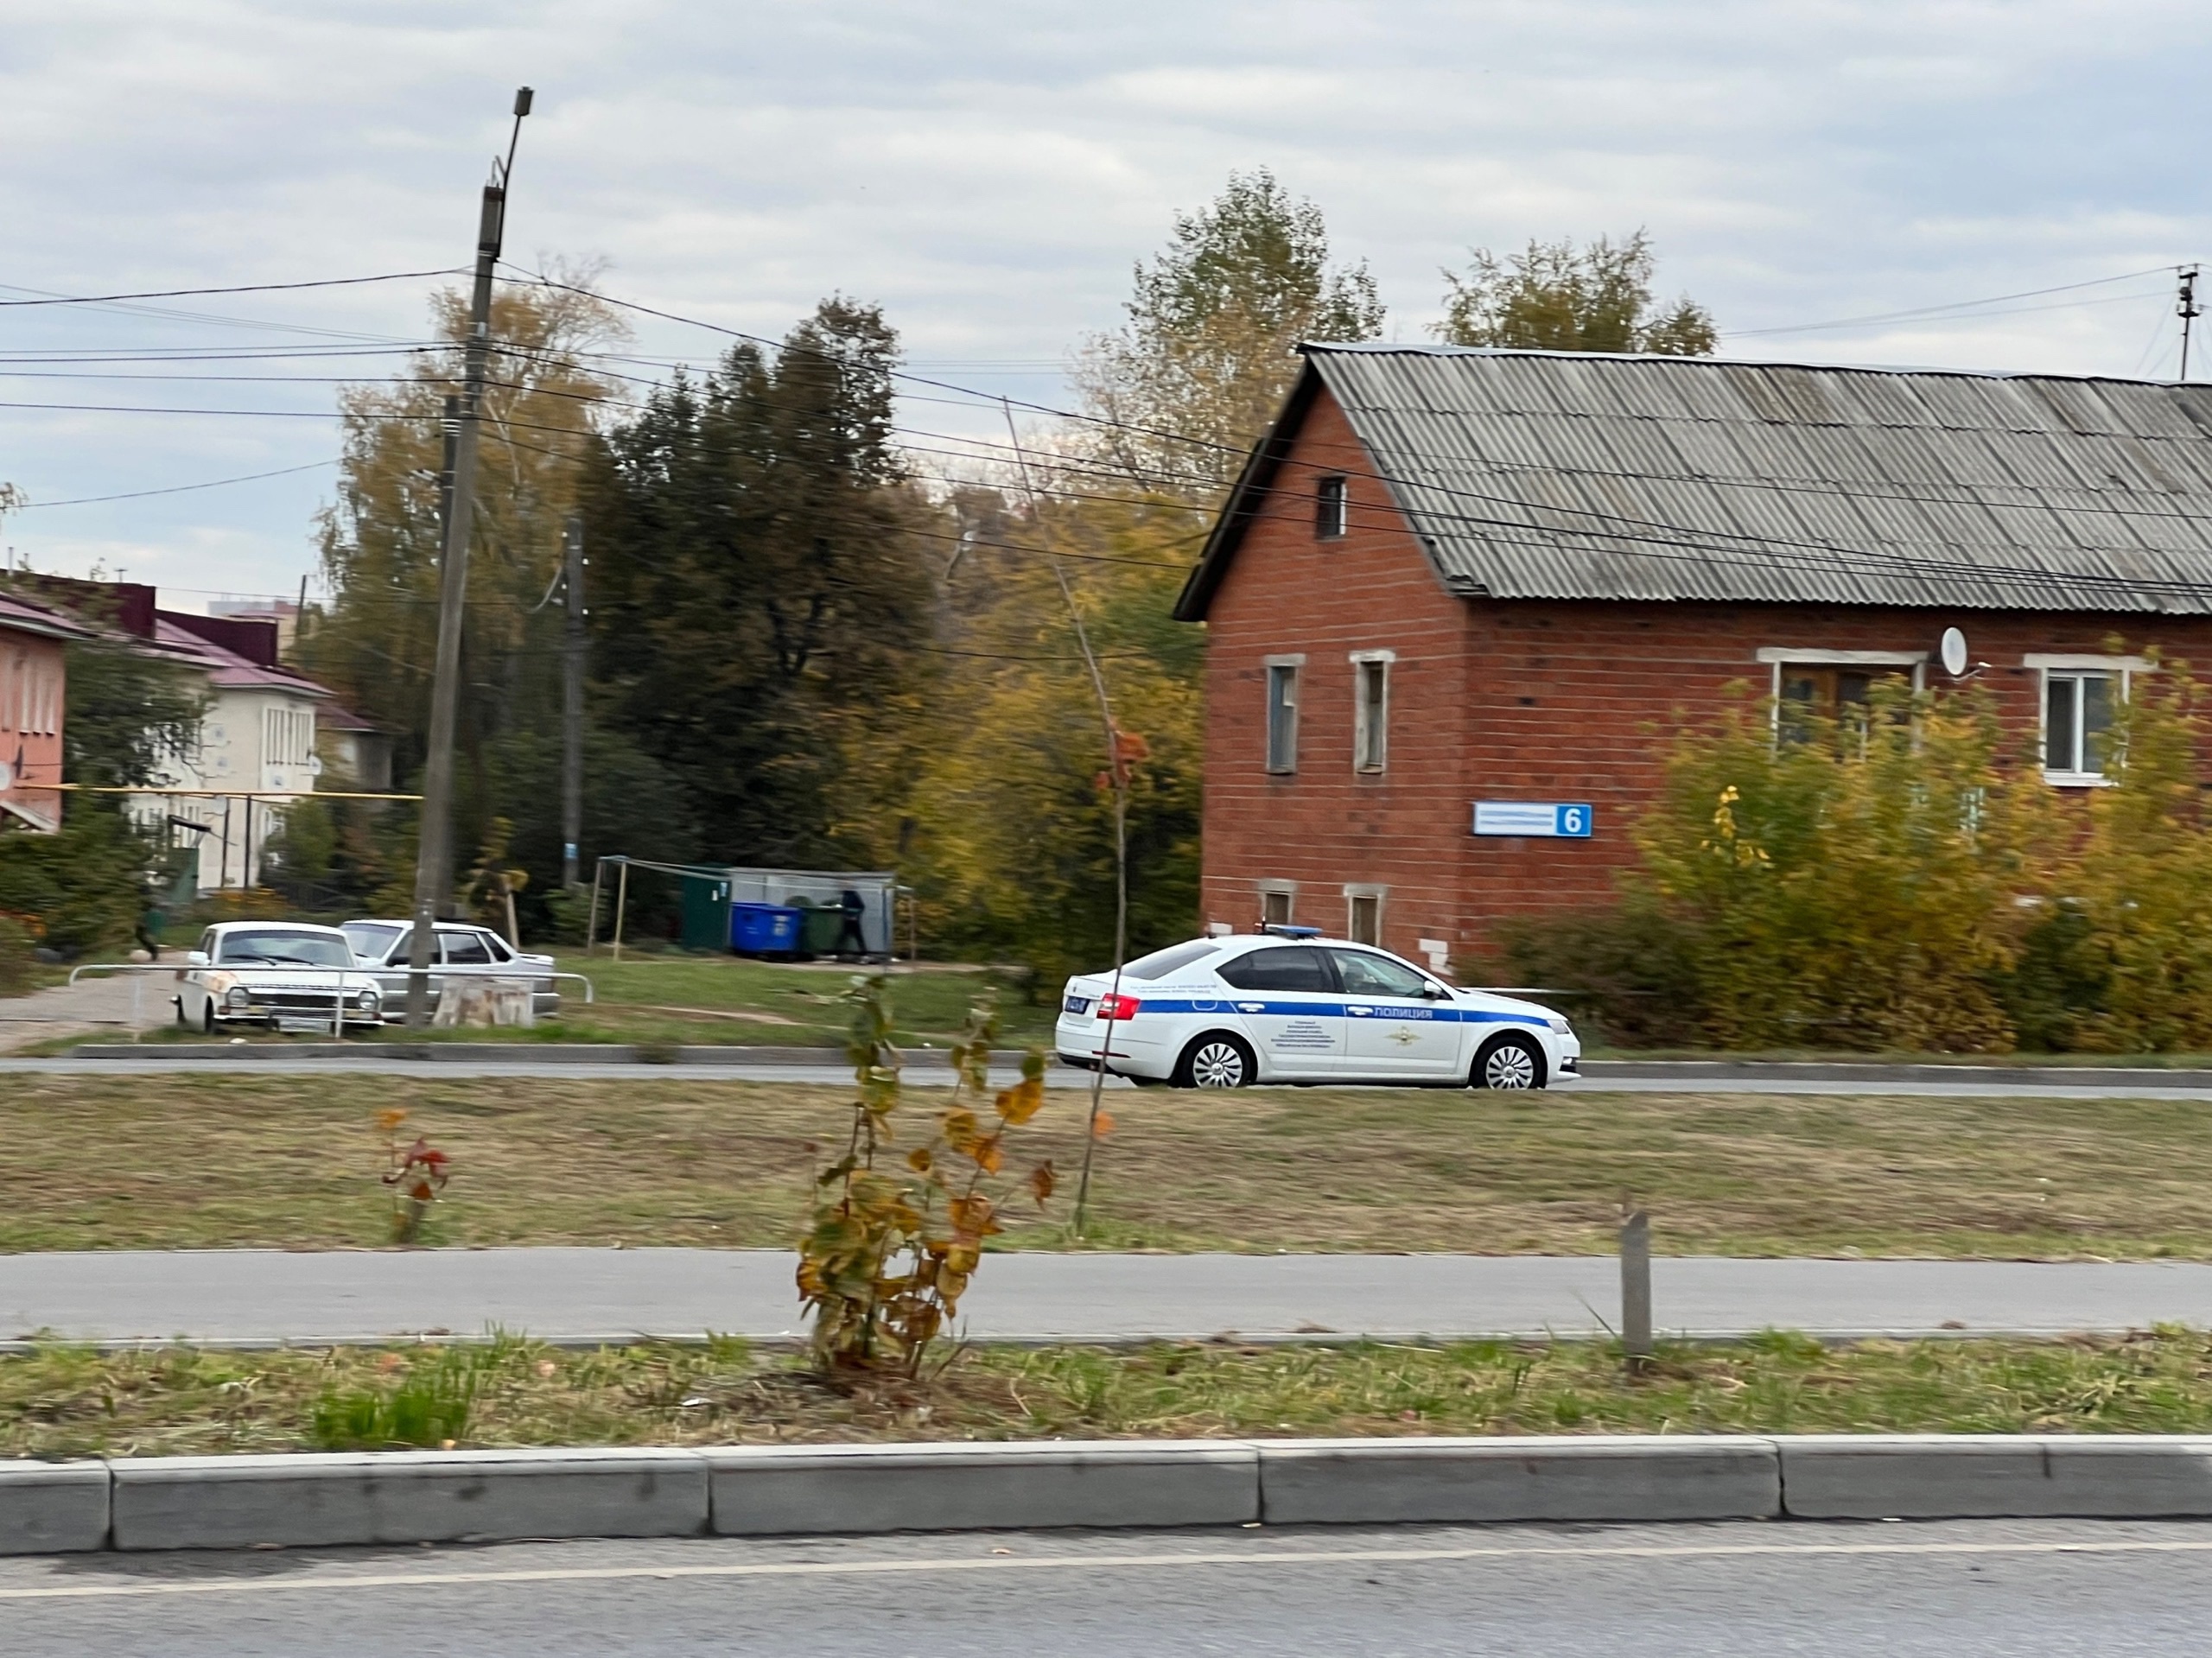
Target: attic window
[(1329, 516)]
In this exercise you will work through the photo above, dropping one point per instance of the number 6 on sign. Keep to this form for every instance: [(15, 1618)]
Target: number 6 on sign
[(1543, 819)]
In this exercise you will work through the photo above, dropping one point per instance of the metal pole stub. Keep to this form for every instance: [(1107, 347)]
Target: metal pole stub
[(1636, 1289)]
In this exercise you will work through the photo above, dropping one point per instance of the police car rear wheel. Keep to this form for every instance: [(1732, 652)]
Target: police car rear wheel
[(1215, 1062), (1508, 1063)]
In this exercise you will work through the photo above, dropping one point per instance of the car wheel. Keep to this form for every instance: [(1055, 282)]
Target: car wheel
[(182, 1023), (1216, 1061), (207, 1018), (1508, 1062)]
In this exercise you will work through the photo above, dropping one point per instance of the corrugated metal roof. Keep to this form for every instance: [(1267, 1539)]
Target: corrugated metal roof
[(1553, 475)]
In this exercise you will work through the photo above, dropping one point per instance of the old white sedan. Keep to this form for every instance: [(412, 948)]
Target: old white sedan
[(463, 949), (285, 973), (1288, 1006)]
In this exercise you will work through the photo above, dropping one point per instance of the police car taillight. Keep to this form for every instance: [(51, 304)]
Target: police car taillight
[(1118, 1006)]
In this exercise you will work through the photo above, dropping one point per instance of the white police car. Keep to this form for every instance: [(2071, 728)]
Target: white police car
[(1288, 1006)]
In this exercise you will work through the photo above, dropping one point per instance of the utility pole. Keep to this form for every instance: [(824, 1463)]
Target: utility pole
[(2185, 308), (433, 857), (572, 703)]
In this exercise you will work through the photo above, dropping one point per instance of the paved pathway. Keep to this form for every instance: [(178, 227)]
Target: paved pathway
[(573, 1294), (116, 1004), (2184, 1085)]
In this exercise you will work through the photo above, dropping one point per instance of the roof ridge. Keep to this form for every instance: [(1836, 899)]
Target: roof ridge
[(1899, 371)]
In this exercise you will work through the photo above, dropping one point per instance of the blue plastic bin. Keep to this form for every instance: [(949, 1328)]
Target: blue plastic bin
[(763, 929)]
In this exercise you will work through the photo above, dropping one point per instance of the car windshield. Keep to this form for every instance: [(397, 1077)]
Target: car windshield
[(1173, 959), (371, 939), (270, 947)]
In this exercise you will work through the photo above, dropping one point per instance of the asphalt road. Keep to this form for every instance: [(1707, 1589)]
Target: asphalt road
[(2026, 1590), (1064, 1077), (584, 1295)]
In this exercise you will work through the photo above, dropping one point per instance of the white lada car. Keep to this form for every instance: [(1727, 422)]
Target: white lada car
[(285, 973), (1290, 1006)]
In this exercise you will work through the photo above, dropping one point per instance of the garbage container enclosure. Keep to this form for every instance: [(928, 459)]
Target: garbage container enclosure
[(823, 890)]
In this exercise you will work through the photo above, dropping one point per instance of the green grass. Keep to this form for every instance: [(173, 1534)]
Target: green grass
[(63, 1400), (208, 1160)]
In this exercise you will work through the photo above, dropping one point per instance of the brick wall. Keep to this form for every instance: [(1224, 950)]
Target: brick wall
[(1325, 826), (1503, 699)]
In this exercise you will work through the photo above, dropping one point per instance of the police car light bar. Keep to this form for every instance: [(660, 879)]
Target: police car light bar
[(1283, 930)]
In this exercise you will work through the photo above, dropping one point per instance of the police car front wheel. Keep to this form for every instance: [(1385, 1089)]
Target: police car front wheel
[(1215, 1061), (1509, 1062)]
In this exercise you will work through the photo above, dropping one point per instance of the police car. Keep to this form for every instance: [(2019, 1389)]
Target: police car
[(1289, 1006)]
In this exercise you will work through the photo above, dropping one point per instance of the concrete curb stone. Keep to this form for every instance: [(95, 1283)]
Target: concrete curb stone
[(53, 1508), (406, 1497), (1386, 1482), (140, 1503), (1961, 1476), (766, 1490)]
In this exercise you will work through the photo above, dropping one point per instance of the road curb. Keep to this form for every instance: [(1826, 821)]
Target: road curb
[(1690, 1072), (406, 1497), (477, 1053)]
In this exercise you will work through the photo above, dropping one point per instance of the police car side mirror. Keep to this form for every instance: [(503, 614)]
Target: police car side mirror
[(1434, 993), (195, 958)]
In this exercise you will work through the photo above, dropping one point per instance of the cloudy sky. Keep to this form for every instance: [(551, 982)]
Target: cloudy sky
[(990, 170)]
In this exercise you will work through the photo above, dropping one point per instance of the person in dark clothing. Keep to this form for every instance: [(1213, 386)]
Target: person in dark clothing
[(150, 923), (851, 940)]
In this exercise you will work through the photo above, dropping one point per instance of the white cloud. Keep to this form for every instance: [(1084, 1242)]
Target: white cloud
[(990, 170)]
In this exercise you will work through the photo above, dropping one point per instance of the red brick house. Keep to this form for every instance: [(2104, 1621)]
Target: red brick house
[(1450, 576)]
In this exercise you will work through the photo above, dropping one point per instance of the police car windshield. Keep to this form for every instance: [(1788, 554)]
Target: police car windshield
[(1173, 959)]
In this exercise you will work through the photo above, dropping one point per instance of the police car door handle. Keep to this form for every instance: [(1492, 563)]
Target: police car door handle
[(1357, 1008), (1251, 1007)]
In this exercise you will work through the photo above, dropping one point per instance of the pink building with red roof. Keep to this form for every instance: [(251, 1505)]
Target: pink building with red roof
[(255, 750), (34, 687)]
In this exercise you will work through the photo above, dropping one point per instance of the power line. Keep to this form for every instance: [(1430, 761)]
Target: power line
[(1940, 310), (48, 298), (180, 489)]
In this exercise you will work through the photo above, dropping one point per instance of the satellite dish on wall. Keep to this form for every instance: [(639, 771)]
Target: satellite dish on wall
[(1954, 652)]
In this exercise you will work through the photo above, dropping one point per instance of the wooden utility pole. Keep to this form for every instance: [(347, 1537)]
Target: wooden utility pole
[(433, 856), (572, 703)]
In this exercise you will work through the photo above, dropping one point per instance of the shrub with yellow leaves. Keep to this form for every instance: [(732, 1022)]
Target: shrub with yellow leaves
[(895, 1235)]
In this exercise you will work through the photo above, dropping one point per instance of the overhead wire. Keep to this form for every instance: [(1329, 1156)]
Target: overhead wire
[(1742, 539), (1935, 311)]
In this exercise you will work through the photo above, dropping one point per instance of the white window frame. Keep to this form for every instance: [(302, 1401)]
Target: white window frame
[(2075, 665), (1356, 891), (1362, 760), (1777, 657), (1293, 669), (1331, 507)]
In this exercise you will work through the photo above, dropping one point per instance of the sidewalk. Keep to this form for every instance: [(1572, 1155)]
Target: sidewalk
[(117, 1004), (569, 1294)]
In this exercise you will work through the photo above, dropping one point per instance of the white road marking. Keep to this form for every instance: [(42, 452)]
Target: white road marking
[(1363, 1556)]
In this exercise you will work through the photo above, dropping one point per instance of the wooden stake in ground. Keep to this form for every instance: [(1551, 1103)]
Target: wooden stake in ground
[(1636, 1288)]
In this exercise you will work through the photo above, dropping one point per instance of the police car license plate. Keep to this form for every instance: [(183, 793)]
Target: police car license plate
[(1076, 1005)]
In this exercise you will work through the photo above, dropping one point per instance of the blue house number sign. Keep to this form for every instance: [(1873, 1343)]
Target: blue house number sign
[(1545, 819)]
